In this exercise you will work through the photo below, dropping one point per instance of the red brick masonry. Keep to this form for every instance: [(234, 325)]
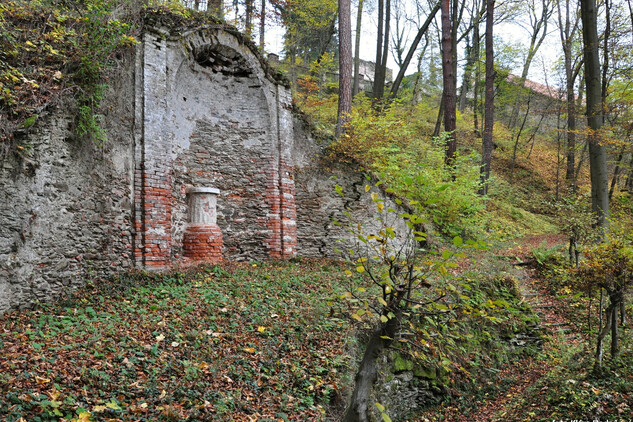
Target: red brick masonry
[(203, 243)]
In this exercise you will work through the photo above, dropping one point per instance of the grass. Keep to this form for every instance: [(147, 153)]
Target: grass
[(232, 342)]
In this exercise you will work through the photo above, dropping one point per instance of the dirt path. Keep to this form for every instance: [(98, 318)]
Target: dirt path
[(528, 371)]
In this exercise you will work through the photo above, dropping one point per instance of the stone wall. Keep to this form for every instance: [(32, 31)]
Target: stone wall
[(192, 109), (66, 206)]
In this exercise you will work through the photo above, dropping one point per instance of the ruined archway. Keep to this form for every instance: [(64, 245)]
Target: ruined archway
[(212, 116)]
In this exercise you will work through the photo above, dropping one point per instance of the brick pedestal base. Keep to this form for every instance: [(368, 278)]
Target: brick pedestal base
[(203, 243)]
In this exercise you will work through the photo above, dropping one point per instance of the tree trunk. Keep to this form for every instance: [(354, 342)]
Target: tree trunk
[(345, 65), (571, 137), (418, 74), (616, 173), (359, 17), (463, 92), (603, 332), (414, 46), (449, 83), (438, 122), (385, 43), (490, 96), (381, 65), (360, 406), (605, 38), (249, 17), (518, 138), (597, 152), (629, 177), (262, 25), (216, 8), (615, 347), (292, 52), (628, 2), (376, 93), (476, 51), (567, 32)]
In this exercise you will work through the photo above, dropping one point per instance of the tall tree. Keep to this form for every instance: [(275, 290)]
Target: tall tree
[(538, 21), (449, 82), (216, 7), (568, 30), (477, 88), (345, 65), (382, 48), (379, 40), (262, 25), (413, 48), (593, 84), (490, 97), (359, 18), (399, 37), (472, 52), (249, 17), (309, 29)]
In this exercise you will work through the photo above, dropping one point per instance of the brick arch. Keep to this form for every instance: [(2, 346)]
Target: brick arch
[(211, 115)]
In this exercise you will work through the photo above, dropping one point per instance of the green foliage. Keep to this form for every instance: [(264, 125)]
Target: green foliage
[(608, 265), (48, 48), (545, 256), (445, 325), (391, 145), (308, 25), (576, 219)]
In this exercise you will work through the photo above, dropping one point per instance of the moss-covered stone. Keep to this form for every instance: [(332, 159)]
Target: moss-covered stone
[(401, 364), (426, 373)]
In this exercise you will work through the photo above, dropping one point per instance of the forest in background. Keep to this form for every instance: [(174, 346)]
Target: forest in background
[(498, 162)]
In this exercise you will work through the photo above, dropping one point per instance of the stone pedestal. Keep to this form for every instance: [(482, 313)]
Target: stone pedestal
[(202, 240)]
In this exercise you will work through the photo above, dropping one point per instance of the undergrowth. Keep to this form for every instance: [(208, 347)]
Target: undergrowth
[(49, 50)]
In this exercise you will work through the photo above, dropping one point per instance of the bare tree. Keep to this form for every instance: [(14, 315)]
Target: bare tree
[(537, 28), (573, 63), (382, 48), (449, 82), (249, 17), (412, 49), (345, 65), (359, 17), (472, 57), (262, 25), (490, 96)]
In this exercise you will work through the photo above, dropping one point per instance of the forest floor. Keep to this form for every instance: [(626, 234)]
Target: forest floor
[(529, 389), (257, 341)]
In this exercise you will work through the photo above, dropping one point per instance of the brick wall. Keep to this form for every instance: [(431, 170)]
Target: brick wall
[(213, 117)]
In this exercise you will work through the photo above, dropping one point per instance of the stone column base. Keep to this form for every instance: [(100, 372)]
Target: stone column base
[(203, 243)]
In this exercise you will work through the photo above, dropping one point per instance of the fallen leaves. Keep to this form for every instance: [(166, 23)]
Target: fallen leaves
[(249, 340)]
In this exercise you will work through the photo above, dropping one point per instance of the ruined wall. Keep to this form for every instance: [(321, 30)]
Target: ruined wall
[(212, 117), (322, 224), (192, 109), (66, 206)]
